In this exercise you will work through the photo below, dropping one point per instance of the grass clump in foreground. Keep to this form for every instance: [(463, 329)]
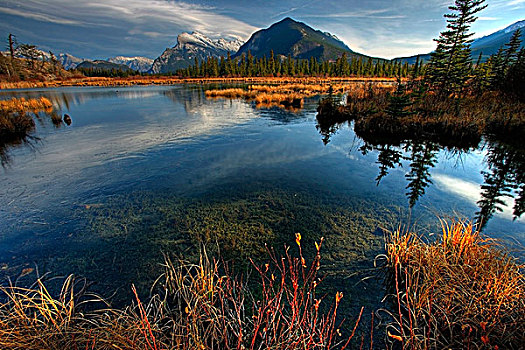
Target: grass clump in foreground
[(195, 306), (461, 291)]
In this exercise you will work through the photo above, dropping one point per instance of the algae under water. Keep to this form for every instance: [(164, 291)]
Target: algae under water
[(143, 171)]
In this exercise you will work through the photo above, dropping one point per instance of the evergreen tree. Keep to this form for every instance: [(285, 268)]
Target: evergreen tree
[(482, 76), (399, 102), (511, 49), (415, 71), (503, 62), (229, 65), (196, 68), (272, 63), (449, 66), (515, 82)]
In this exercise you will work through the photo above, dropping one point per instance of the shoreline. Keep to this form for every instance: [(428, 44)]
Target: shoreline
[(143, 81)]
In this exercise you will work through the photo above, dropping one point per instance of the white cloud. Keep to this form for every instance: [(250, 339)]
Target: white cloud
[(159, 16), (481, 18), (39, 17), (465, 189), (377, 14), (470, 191)]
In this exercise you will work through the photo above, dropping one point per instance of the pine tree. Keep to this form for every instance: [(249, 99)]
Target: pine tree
[(483, 76), (399, 102), (501, 63), (229, 64), (511, 49), (515, 83), (415, 71), (449, 66)]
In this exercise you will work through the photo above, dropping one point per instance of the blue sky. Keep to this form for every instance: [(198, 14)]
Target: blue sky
[(105, 28)]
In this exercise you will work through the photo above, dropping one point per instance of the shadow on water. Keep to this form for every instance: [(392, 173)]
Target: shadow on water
[(25, 135), (418, 154), (5, 147)]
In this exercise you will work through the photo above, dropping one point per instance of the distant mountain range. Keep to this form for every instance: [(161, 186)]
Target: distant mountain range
[(191, 46), (285, 38), (103, 65), (490, 44), (141, 64), (69, 61), (486, 45)]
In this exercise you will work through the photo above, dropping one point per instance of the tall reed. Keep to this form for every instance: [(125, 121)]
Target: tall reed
[(461, 291), (194, 306)]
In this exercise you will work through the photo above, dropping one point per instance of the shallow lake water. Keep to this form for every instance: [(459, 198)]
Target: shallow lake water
[(143, 171)]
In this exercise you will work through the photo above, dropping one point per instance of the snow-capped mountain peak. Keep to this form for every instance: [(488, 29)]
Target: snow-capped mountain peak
[(141, 64), (199, 39), (232, 46), (515, 26), (191, 46)]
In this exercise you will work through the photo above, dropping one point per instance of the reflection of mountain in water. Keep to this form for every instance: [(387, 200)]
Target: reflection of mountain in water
[(505, 177), (130, 130), (190, 117), (63, 99)]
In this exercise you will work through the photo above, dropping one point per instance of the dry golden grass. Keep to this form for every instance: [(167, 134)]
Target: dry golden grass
[(230, 93), (31, 318), (196, 306), (15, 121), (461, 291), (289, 95), (21, 105)]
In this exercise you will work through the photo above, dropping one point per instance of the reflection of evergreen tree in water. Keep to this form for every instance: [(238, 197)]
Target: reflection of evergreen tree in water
[(505, 177), (519, 205), (327, 130), (423, 157), (388, 157), (329, 120)]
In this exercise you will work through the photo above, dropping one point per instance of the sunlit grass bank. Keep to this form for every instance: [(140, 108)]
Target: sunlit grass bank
[(15, 118), (460, 292), (287, 95), (17, 121), (399, 115)]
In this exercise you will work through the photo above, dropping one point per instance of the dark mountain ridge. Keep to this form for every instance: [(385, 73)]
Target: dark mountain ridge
[(103, 65), (296, 39)]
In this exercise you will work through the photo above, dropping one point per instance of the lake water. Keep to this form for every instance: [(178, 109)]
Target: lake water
[(143, 171)]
